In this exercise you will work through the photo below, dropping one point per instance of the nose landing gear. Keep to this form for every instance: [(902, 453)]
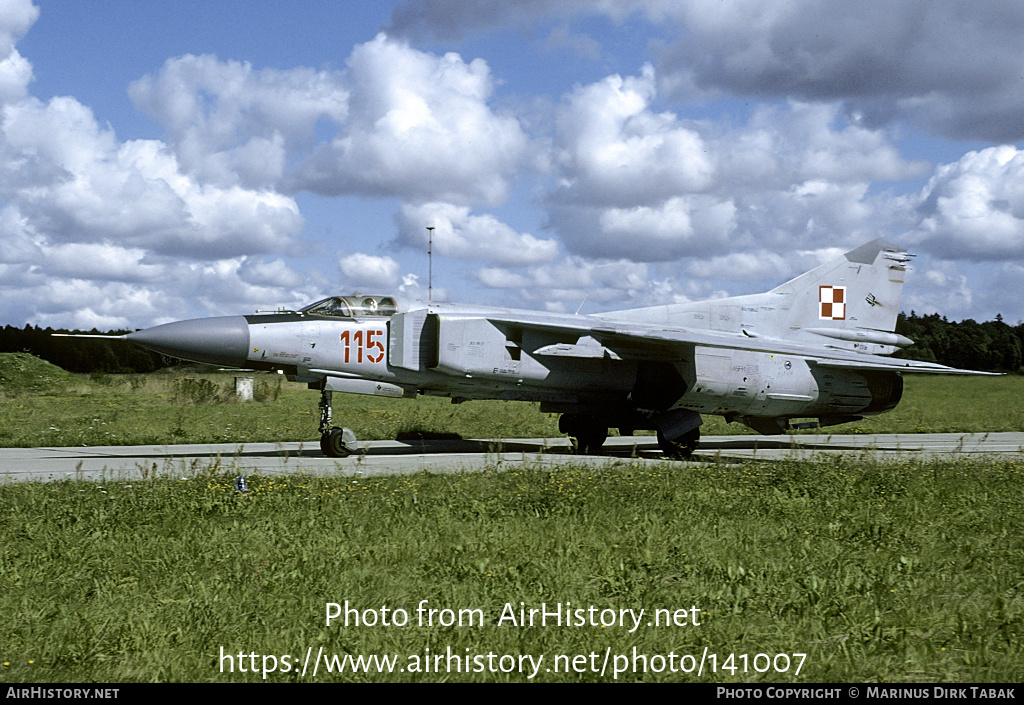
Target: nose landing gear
[(335, 442)]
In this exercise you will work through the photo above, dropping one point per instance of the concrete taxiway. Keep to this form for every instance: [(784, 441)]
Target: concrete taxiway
[(404, 457)]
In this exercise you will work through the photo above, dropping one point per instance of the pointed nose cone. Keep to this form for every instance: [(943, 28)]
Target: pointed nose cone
[(217, 341)]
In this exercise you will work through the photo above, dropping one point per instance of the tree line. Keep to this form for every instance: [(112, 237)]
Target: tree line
[(82, 354), (992, 346)]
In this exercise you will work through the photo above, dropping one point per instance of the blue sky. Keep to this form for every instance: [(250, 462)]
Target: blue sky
[(171, 160)]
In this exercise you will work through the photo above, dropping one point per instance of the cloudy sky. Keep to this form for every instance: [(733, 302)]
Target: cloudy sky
[(164, 160)]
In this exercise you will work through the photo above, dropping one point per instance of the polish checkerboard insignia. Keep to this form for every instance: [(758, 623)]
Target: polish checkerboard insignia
[(832, 303)]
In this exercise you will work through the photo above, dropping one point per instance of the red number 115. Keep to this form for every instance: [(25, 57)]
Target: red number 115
[(367, 342)]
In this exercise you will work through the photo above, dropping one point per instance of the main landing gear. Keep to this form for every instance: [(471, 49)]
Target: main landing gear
[(334, 442), (679, 448), (588, 433)]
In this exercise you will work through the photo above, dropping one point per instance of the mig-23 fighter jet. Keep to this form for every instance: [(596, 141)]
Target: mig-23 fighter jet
[(812, 348)]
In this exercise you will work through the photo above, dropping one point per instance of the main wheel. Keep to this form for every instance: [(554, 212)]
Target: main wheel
[(679, 448), (338, 442), (587, 433), (590, 442)]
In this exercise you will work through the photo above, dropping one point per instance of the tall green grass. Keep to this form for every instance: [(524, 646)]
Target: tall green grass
[(894, 572)]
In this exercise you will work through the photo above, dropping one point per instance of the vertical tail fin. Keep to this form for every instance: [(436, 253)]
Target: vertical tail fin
[(852, 300)]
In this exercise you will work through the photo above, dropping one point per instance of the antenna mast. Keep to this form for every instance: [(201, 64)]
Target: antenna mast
[(430, 263)]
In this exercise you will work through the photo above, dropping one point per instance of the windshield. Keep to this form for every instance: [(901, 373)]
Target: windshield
[(355, 306)]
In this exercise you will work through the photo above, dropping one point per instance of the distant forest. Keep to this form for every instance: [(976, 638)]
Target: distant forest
[(82, 354), (992, 346)]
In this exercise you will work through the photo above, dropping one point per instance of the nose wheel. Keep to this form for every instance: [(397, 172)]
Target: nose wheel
[(338, 442), (335, 442)]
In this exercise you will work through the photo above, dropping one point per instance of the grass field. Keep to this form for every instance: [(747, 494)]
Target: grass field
[(836, 570), (888, 573)]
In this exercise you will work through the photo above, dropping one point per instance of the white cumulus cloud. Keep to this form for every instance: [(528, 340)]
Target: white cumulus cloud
[(229, 123), (458, 233), (369, 273), (420, 128), (974, 207)]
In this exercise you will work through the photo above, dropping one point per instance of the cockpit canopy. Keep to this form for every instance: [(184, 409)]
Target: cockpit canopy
[(355, 306)]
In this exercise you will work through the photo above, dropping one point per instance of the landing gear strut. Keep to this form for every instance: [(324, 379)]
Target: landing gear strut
[(334, 442), (587, 433)]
